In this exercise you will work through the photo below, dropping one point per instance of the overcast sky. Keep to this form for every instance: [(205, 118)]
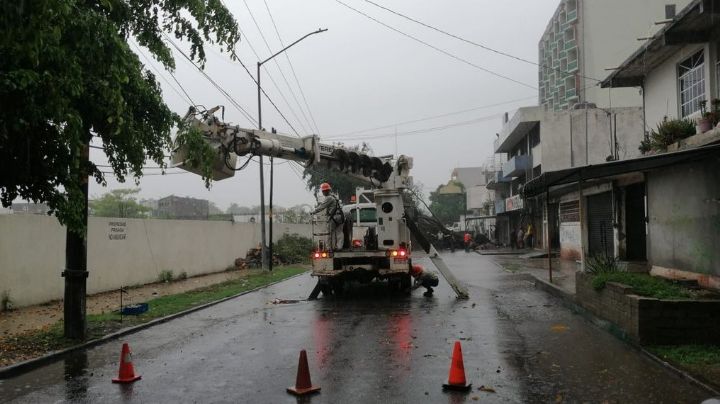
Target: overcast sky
[(361, 75)]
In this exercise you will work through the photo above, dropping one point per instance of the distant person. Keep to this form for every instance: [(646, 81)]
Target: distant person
[(428, 280), (467, 240), (529, 236), (519, 238)]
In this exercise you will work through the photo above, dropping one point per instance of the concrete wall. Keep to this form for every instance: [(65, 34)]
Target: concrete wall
[(563, 136), (684, 212), (477, 196), (662, 94), (651, 321), (120, 251), (611, 29)]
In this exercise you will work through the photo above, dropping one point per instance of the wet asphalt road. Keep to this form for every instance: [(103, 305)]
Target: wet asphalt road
[(369, 347)]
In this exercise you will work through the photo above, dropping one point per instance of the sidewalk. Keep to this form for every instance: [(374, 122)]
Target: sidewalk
[(37, 317), (563, 271)]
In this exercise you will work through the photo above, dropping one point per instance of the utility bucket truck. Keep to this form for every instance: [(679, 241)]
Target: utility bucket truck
[(385, 251)]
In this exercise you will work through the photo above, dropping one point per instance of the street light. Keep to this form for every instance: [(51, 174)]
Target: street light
[(267, 260)]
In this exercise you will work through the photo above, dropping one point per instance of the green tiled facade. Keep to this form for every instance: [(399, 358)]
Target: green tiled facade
[(559, 55)]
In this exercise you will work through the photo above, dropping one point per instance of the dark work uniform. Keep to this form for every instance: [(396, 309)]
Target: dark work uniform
[(428, 280)]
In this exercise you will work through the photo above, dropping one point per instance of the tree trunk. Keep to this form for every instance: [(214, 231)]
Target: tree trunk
[(75, 273)]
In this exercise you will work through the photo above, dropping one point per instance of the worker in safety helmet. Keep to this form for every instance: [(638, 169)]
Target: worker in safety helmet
[(333, 210), (424, 279)]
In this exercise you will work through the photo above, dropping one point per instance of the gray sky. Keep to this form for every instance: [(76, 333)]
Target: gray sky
[(362, 75)]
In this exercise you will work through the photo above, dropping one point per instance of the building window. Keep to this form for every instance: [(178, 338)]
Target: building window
[(691, 75), (570, 211)]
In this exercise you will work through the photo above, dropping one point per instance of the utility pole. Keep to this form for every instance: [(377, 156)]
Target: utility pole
[(75, 273), (267, 254)]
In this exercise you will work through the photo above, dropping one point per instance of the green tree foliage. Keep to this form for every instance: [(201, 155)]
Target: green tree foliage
[(448, 207), (119, 203), (342, 184), (293, 248), (67, 73)]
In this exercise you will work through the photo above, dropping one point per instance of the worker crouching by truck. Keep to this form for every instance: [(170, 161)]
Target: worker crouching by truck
[(428, 280)]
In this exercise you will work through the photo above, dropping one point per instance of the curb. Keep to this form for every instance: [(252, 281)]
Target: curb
[(570, 302), (694, 380), (554, 290), (30, 364)]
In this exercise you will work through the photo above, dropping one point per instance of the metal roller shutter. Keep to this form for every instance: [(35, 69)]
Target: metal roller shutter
[(600, 229)]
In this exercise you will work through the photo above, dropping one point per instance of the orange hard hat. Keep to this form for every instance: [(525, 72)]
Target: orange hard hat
[(325, 186), (416, 270)]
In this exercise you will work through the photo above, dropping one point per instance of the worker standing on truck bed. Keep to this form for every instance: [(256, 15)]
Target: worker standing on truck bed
[(335, 216), (424, 279)]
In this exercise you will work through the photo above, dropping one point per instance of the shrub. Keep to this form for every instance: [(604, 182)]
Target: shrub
[(668, 132), (642, 284), (601, 263), (165, 276), (293, 248), (182, 276)]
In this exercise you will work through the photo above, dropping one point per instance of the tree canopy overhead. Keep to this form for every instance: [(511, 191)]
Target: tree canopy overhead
[(67, 73)]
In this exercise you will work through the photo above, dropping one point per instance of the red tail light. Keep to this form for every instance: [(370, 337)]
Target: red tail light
[(321, 254), (400, 254)]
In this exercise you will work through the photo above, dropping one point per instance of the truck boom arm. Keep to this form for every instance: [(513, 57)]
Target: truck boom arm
[(231, 141)]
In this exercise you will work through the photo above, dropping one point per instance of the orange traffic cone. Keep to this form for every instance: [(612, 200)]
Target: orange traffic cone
[(303, 385), (456, 379), (127, 371)]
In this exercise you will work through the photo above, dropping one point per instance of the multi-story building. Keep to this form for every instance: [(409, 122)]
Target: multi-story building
[(536, 140), (679, 67), (584, 38), (474, 180), (176, 207)]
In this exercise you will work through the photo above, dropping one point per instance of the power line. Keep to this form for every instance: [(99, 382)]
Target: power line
[(217, 86), (267, 45), (144, 167), (263, 91), (475, 43), (431, 117), (153, 174), (292, 68), (458, 58), (425, 130), (147, 59)]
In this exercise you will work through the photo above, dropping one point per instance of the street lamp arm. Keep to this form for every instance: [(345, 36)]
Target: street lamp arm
[(288, 47)]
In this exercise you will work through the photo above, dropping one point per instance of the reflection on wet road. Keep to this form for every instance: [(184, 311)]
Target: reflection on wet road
[(519, 344)]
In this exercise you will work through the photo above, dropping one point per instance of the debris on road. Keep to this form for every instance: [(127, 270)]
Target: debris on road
[(487, 389), (285, 301)]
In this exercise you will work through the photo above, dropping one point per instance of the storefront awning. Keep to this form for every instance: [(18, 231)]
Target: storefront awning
[(571, 175)]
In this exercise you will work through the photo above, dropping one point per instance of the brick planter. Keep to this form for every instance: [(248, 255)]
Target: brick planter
[(651, 321)]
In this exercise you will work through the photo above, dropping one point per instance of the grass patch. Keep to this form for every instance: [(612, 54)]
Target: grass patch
[(700, 360), (36, 343), (643, 285)]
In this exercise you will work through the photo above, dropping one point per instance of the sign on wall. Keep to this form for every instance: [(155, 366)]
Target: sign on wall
[(513, 203), (117, 230)]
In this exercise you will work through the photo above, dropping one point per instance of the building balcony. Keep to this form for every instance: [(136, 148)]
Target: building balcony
[(498, 181), (516, 166), (516, 128)]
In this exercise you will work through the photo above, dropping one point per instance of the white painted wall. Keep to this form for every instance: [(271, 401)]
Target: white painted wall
[(662, 93), (556, 133), (611, 29), (32, 251), (477, 196)]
